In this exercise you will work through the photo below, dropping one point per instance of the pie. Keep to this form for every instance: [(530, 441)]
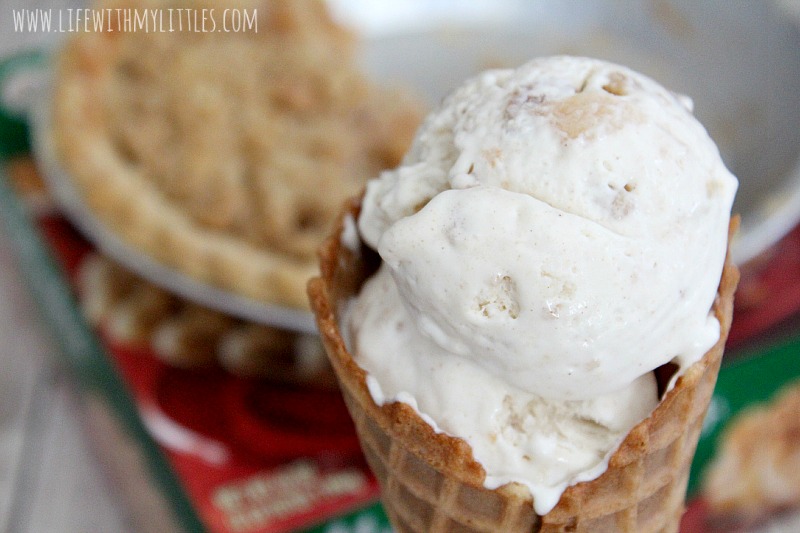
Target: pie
[(757, 469), (226, 155)]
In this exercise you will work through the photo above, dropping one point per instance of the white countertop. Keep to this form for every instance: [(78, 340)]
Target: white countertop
[(50, 478)]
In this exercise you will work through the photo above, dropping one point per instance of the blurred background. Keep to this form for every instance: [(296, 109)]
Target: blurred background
[(135, 399)]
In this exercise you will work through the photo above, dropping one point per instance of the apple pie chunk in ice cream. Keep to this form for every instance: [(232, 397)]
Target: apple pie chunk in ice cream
[(555, 234)]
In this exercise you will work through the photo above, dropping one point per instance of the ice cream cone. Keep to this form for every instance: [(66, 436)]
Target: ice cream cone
[(430, 481)]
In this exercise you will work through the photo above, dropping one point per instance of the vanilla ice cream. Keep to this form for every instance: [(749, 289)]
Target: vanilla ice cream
[(554, 234)]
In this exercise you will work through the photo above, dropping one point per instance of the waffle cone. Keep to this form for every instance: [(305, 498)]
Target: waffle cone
[(432, 484)]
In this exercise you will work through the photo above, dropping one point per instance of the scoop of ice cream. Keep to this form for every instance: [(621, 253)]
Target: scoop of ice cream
[(562, 226), (516, 435), (555, 234)]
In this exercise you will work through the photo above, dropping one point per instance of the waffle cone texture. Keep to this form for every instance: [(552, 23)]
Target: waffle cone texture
[(430, 481)]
